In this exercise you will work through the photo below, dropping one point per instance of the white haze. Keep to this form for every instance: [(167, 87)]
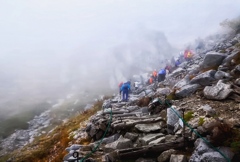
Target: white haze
[(49, 48)]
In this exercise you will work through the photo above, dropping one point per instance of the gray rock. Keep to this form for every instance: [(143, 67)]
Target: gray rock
[(150, 137), (182, 82), (111, 139), (146, 128), (200, 148), (194, 70), (237, 81), (237, 68), (165, 156), (223, 68), (91, 129), (157, 141), (163, 91), (229, 58), (178, 158), (212, 59), (177, 72), (218, 92), (121, 143), (216, 156), (99, 134), (75, 147), (172, 118), (106, 104), (204, 78), (221, 75), (144, 110), (187, 90), (170, 138), (66, 157), (209, 111), (132, 136)]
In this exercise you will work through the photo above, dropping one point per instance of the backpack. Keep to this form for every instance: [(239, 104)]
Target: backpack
[(125, 86)]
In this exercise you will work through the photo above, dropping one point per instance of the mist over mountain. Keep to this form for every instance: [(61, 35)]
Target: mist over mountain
[(49, 49)]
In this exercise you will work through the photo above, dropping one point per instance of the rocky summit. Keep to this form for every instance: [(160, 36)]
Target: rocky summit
[(193, 115)]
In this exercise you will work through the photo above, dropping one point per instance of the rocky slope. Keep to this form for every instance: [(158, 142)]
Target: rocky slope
[(204, 92)]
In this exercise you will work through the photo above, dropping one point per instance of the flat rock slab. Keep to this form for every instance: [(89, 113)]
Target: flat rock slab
[(150, 137), (146, 128), (157, 141)]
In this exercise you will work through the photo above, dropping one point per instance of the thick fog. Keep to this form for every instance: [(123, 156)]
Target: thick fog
[(51, 48)]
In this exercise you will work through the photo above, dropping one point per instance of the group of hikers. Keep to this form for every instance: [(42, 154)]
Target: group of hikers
[(170, 66), (156, 77)]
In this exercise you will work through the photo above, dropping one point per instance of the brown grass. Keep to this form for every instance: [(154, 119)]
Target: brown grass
[(144, 101)]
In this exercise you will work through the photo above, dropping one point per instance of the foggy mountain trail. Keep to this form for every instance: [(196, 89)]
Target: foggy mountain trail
[(203, 92), (61, 62)]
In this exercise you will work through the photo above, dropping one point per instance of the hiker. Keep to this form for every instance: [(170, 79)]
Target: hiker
[(136, 85), (161, 75), (150, 80), (130, 90), (177, 62), (154, 74), (188, 55), (125, 91), (119, 86)]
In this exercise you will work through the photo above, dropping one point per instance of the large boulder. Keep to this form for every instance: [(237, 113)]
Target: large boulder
[(200, 148), (203, 152), (186, 90), (212, 59), (204, 79), (220, 91)]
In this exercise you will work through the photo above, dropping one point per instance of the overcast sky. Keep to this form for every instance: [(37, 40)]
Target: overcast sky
[(38, 36)]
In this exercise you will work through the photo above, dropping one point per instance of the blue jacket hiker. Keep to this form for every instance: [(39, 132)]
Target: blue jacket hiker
[(161, 75), (125, 90)]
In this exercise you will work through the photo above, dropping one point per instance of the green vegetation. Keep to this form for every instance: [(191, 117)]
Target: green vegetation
[(201, 121), (233, 140), (188, 116), (235, 145)]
